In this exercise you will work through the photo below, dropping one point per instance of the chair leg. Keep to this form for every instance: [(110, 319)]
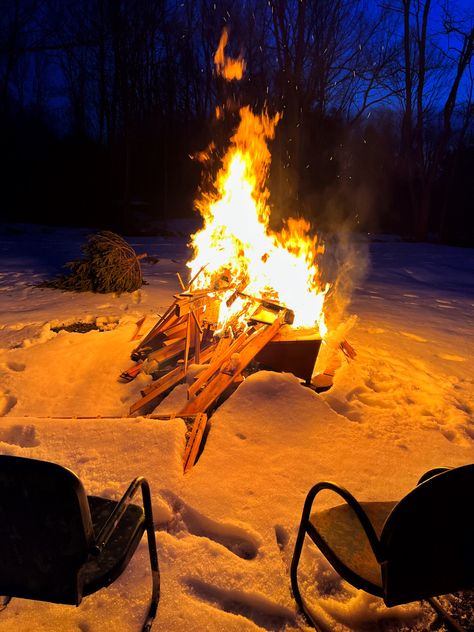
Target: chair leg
[(155, 570), (451, 623), (294, 575)]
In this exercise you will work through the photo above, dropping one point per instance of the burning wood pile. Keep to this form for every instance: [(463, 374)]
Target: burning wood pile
[(185, 333), (256, 295)]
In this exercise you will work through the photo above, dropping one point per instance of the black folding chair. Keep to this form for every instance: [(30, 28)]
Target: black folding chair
[(417, 548), (57, 544)]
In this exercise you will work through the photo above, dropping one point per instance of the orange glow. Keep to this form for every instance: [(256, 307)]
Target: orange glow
[(226, 66), (237, 243)]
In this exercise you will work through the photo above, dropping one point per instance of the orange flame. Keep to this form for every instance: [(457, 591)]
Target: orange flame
[(226, 66), (236, 240)]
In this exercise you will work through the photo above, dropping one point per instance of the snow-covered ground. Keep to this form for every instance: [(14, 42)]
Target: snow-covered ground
[(226, 530)]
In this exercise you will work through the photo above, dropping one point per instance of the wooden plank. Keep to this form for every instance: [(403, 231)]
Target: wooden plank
[(197, 293), (216, 363), (171, 341), (197, 340), (167, 353), (185, 306), (158, 325), (222, 346), (187, 343), (348, 350), (161, 386), (206, 354), (137, 335), (177, 329), (194, 441), (196, 275), (215, 388), (131, 373), (183, 287), (143, 349), (196, 314)]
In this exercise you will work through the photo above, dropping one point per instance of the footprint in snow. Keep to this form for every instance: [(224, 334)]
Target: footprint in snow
[(7, 402), (282, 536), (16, 366), (413, 336), (259, 609), (22, 436), (375, 330), (238, 540), (452, 357)]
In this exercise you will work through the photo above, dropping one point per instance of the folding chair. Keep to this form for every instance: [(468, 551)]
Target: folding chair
[(57, 544), (417, 548)]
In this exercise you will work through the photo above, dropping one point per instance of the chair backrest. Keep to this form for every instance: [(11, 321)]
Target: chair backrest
[(428, 539), (45, 530)]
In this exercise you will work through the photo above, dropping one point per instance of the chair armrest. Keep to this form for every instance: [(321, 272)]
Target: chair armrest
[(116, 515), (355, 506)]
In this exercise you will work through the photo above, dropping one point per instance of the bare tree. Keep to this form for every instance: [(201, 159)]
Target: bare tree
[(434, 65)]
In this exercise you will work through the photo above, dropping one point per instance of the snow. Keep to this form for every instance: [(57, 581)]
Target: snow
[(225, 531)]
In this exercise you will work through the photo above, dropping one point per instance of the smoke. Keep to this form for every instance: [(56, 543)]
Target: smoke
[(345, 265)]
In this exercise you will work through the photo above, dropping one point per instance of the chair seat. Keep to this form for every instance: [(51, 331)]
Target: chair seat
[(341, 530), (102, 570)]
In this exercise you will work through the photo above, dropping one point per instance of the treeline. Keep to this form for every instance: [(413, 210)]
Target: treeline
[(102, 103)]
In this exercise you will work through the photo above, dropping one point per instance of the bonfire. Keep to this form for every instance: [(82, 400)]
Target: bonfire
[(255, 295)]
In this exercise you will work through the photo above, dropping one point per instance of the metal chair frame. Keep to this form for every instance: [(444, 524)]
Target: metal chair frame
[(307, 528), (94, 546)]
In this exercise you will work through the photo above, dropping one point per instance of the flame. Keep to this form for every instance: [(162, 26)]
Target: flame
[(226, 66), (236, 243)]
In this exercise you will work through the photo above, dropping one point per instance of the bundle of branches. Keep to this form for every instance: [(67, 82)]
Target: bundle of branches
[(110, 265)]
